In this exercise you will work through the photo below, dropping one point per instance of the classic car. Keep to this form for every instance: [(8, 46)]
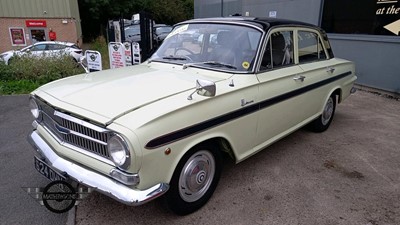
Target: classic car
[(160, 128)]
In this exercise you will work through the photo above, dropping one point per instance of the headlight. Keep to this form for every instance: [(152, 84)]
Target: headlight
[(119, 151), (34, 108)]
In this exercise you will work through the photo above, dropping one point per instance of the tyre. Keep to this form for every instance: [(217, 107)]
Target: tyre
[(321, 123), (194, 180)]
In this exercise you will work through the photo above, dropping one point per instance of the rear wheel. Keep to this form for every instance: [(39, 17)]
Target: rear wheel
[(322, 122), (194, 180)]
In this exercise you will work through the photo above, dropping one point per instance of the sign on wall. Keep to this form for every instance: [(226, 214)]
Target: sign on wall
[(35, 23), (388, 14), (374, 17), (17, 36), (116, 51), (93, 59)]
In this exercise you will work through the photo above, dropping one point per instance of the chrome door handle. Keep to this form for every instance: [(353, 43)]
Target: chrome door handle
[(300, 78), (330, 69), (243, 102)]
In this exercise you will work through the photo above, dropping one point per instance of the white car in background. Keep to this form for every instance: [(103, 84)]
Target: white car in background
[(44, 49)]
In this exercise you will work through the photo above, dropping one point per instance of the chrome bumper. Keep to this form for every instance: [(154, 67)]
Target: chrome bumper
[(99, 182)]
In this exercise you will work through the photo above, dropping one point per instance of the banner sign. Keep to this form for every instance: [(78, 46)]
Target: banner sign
[(116, 51), (17, 36), (128, 53), (93, 59), (137, 59), (388, 15), (35, 23)]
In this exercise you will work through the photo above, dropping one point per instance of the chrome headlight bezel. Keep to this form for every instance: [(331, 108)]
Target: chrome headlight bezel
[(119, 151), (34, 107)]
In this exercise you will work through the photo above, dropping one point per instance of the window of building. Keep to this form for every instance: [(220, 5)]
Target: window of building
[(374, 17)]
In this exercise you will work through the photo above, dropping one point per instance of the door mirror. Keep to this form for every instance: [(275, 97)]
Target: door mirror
[(205, 88)]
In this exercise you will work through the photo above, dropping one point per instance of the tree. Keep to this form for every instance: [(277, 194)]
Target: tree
[(95, 13)]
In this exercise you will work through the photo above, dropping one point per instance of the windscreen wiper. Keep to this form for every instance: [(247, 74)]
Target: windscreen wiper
[(171, 57), (212, 63)]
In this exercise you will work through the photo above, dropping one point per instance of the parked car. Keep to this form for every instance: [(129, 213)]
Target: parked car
[(44, 49), (160, 32), (160, 128)]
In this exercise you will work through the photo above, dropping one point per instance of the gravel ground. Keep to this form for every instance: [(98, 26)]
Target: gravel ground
[(349, 174)]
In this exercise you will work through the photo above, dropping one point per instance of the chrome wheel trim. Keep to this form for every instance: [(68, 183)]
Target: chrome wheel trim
[(328, 112), (196, 176)]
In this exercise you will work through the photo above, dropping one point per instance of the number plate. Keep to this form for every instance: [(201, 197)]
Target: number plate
[(47, 171)]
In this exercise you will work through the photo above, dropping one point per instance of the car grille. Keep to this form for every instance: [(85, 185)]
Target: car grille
[(73, 131)]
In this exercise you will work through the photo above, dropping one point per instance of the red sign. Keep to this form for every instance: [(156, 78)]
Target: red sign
[(35, 23)]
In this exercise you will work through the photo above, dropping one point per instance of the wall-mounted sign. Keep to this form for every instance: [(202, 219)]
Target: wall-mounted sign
[(116, 51), (17, 36), (128, 53), (272, 14), (93, 59), (35, 23), (388, 14), (374, 17)]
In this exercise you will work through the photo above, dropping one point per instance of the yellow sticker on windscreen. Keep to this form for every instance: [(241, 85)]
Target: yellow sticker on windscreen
[(178, 30), (246, 65)]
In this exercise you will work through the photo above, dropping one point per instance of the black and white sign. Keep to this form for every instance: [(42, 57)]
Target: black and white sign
[(93, 59), (137, 59)]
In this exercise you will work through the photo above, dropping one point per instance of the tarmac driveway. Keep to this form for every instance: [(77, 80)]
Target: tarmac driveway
[(349, 174)]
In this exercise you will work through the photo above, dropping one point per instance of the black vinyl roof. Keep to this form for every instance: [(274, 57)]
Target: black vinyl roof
[(262, 22)]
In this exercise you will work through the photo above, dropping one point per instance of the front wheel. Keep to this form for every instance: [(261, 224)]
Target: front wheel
[(322, 122), (194, 180)]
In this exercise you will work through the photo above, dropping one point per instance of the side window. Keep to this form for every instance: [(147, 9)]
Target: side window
[(279, 51), (310, 47), (40, 47)]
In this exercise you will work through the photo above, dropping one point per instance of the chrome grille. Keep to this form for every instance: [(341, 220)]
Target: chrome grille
[(73, 131)]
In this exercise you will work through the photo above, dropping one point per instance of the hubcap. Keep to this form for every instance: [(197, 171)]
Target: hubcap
[(328, 112), (196, 176)]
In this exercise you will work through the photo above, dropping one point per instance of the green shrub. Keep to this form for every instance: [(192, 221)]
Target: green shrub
[(17, 87), (26, 73)]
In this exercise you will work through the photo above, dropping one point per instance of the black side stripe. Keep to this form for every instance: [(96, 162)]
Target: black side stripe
[(197, 128)]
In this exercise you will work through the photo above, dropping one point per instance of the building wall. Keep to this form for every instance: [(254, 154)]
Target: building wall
[(35, 8), (65, 31), (62, 16), (377, 57)]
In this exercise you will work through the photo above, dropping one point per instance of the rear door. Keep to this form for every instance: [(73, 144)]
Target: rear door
[(317, 67)]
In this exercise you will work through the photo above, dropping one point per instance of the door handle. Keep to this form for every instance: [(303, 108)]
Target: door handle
[(299, 78), (243, 102), (330, 69)]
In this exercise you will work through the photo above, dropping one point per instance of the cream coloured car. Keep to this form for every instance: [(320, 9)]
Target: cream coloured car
[(159, 128)]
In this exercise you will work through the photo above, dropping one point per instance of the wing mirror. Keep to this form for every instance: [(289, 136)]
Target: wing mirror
[(204, 88)]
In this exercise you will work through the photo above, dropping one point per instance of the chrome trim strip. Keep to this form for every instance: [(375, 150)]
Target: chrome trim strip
[(101, 183), (80, 122), (83, 151), (86, 137)]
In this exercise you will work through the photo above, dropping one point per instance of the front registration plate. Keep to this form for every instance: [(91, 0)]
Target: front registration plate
[(47, 171)]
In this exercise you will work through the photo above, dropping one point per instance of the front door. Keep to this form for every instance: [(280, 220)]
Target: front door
[(37, 35)]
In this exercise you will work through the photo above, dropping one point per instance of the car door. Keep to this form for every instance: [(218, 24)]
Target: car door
[(317, 68), (39, 50), (281, 105)]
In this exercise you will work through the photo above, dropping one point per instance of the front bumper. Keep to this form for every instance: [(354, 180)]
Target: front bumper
[(99, 182)]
